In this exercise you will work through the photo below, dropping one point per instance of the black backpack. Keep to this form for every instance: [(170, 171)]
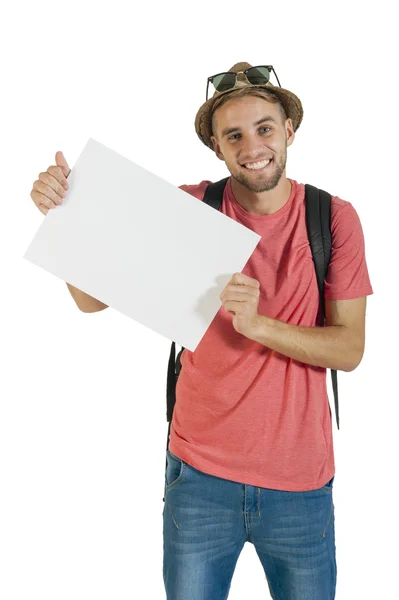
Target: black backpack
[(318, 223)]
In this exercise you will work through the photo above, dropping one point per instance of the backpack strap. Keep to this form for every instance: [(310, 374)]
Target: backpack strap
[(318, 223), (214, 193), (174, 367), (213, 196)]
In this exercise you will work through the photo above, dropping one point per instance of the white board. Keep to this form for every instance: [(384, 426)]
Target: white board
[(141, 245)]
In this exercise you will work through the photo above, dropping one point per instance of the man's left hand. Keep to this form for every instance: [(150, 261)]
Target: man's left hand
[(240, 297)]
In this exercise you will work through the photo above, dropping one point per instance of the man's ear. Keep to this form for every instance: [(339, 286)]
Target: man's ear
[(216, 148), (289, 129)]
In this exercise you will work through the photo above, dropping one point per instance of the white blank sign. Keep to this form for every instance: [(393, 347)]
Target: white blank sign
[(141, 245)]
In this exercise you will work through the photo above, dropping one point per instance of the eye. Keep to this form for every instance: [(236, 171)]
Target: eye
[(234, 135)]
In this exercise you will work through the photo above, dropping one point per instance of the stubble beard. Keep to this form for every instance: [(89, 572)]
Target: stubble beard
[(267, 181)]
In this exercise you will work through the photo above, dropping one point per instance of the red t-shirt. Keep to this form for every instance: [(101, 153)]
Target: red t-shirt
[(244, 412)]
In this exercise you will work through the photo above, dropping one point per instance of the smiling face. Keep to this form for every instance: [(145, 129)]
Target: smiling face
[(248, 131)]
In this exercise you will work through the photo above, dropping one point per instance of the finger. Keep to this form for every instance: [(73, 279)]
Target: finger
[(237, 297), (62, 163), (58, 174), (242, 279), (52, 182), (244, 289), (241, 293), (42, 201), (232, 307), (48, 191)]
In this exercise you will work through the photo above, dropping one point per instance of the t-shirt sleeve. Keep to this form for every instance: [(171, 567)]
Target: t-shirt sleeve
[(198, 191), (347, 275)]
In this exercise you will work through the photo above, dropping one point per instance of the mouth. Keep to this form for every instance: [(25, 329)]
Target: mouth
[(259, 166)]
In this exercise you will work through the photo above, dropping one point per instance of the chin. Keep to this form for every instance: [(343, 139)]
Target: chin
[(264, 184)]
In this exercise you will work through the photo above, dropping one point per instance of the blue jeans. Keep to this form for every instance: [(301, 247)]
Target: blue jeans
[(207, 520)]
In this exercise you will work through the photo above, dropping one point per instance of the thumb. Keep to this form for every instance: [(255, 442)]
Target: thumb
[(61, 162)]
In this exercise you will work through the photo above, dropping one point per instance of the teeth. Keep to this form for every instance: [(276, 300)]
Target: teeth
[(258, 165)]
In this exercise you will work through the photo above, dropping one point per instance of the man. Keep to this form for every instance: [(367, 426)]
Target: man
[(250, 455), (251, 450)]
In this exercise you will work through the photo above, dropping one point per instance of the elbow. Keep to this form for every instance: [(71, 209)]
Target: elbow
[(350, 368), (83, 310), (355, 361), (90, 309), (86, 308)]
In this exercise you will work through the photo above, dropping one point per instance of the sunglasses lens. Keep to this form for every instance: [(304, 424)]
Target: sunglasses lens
[(258, 75), (224, 81)]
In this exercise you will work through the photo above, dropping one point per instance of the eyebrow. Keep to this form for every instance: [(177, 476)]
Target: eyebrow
[(233, 129)]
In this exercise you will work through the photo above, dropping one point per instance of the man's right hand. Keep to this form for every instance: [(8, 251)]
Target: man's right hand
[(51, 188)]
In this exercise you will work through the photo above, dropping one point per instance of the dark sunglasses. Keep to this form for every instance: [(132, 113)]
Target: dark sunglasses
[(255, 75)]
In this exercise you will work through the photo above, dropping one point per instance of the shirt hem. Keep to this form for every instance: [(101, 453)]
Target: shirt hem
[(255, 481)]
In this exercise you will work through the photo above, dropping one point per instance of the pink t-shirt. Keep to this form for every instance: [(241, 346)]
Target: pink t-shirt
[(247, 413)]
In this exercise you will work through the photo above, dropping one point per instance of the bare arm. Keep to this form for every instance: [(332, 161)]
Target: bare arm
[(84, 302), (339, 345)]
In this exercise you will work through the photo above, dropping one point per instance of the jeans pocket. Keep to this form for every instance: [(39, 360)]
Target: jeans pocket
[(175, 470)]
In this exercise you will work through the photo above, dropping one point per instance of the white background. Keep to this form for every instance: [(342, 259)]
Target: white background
[(82, 413)]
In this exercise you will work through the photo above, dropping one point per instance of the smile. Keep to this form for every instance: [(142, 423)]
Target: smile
[(258, 166)]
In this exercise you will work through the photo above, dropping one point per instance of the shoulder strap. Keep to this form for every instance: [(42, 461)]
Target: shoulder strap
[(318, 223), (213, 196), (214, 193)]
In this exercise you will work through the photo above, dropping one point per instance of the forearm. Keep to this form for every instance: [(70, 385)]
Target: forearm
[(85, 302), (331, 347)]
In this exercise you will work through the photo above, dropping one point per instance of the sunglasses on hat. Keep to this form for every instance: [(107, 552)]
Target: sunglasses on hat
[(254, 75)]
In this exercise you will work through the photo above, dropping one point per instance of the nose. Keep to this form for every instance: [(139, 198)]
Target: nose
[(252, 149)]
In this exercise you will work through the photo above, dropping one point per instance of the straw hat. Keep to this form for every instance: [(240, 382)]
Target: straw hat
[(203, 119)]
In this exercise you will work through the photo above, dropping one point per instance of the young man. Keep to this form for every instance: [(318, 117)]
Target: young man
[(250, 455)]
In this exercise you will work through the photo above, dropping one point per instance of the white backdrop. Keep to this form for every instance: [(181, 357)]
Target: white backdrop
[(82, 414)]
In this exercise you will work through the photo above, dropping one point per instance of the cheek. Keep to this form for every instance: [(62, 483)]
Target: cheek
[(233, 159)]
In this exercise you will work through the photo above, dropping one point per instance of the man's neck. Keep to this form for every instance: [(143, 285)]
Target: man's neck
[(264, 203)]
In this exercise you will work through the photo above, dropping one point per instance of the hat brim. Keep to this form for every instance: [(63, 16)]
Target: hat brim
[(203, 122)]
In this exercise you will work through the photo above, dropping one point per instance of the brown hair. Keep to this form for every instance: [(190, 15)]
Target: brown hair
[(248, 91)]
